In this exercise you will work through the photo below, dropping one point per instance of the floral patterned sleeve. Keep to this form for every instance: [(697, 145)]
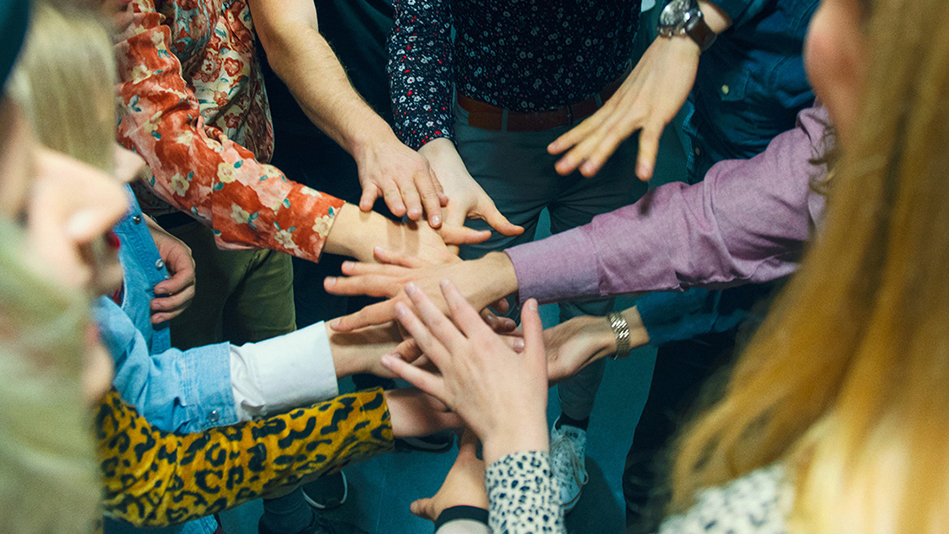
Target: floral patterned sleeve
[(154, 478), (523, 495), (195, 166), (420, 70)]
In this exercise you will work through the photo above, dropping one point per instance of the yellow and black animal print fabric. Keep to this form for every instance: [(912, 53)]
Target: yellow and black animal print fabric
[(154, 478)]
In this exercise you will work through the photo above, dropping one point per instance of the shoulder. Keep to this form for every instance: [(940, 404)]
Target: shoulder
[(756, 502)]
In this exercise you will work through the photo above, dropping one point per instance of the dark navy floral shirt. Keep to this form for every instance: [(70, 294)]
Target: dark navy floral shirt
[(522, 55)]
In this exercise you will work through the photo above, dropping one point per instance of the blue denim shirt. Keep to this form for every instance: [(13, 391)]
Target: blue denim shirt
[(177, 391), (750, 84), (749, 88)]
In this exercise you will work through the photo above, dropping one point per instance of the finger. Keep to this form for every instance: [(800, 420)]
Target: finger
[(424, 508), (413, 204), (408, 350), (501, 305), (393, 199), (428, 189), (533, 330), (575, 134), (465, 316), (434, 320), (500, 325), (648, 148), (515, 343), (462, 235), (369, 195), (423, 334), (420, 378), (600, 153), (160, 318), (378, 313), (499, 222), (357, 268), (371, 285), (401, 259), (172, 303), (176, 283)]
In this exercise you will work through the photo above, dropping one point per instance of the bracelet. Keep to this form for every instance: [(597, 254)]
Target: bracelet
[(621, 332)]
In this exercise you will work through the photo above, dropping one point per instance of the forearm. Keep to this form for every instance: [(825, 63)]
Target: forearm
[(304, 60), (248, 203), (746, 222), (421, 70), (169, 479)]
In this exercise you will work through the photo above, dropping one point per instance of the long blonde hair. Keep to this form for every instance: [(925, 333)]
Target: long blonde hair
[(49, 480), (847, 381)]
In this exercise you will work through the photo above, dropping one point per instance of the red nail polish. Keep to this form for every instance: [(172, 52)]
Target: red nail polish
[(112, 240)]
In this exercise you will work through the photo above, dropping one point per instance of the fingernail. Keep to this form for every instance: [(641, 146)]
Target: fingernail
[(410, 288), (334, 324), (329, 281), (531, 305), (518, 344), (436, 220), (400, 309), (112, 240), (386, 360), (443, 284)]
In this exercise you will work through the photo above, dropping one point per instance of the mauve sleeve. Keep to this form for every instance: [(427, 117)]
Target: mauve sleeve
[(746, 222)]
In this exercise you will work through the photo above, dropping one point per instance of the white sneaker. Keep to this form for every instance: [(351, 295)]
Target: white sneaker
[(567, 455)]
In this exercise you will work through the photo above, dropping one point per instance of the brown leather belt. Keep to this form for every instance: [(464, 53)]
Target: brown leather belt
[(489, 117)]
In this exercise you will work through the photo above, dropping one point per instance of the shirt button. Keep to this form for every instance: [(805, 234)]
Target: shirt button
[(213, 416), (697, 151), (725, 89), (159, 264), (136, 219)]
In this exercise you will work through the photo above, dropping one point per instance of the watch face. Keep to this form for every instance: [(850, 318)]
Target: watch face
[(673, 14)]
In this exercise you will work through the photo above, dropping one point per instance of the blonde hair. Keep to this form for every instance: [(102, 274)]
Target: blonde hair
[(846, 382), (49, 481)]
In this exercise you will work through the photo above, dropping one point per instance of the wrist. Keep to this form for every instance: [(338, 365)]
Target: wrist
[(351, 232), (497, 277), (523, 435)]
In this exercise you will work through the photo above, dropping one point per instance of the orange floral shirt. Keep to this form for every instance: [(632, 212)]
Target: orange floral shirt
[(192, 103)]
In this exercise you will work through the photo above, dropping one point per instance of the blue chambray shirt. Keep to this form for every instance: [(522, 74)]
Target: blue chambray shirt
[(751, 83), (176, 391)]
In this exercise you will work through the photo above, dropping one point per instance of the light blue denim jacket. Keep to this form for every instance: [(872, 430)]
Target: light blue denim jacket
[(177, 391)]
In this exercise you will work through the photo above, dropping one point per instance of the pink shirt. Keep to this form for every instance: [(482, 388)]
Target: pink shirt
[(746, 222)]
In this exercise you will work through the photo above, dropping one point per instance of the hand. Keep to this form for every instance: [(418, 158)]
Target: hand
[(414, 413), (403, 178), (356, 233), (172, 296), (648, 99), (360, 351), (501, 395), (466, 199), (464, 485), (576, 343), (482, 281)]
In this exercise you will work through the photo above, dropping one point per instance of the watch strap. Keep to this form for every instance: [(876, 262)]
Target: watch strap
[(621, 332)]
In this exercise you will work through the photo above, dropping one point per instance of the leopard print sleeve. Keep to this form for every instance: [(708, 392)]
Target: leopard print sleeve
[(154, 478), (523, 495)]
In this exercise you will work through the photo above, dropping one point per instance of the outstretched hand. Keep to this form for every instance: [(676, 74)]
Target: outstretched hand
[(483, 282), (647, 100), (403, 178), (466, 199), (500, 394)]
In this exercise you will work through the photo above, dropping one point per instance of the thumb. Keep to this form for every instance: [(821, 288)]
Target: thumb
[(423, 508)]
